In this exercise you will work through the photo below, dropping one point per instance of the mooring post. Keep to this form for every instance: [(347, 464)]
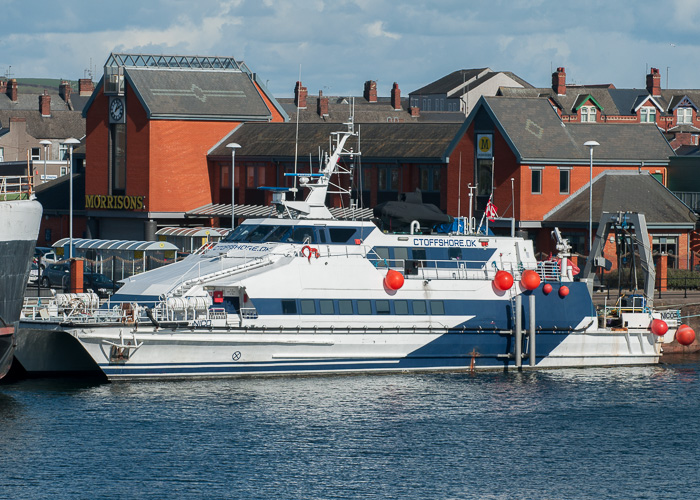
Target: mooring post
[(518, 331), (533, 351)]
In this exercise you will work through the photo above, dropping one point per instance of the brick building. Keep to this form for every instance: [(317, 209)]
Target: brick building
[(150, 123)]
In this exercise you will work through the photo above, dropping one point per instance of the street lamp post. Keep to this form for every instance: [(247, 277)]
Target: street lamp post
[(71, 142), (591, 145), (46, 143), (233, 146)]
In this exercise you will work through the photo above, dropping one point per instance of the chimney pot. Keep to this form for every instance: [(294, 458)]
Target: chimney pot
[(370, 91), (85, 87), (64, 90), (12, 89), (396, 96), (559, 81), (654, 82), (45, 104), (322, 106), (300, 94)]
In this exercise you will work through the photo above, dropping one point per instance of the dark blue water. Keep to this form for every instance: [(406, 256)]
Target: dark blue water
[(628, 433)]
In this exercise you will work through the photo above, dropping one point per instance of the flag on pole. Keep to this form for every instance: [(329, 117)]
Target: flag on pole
[(491, 210)]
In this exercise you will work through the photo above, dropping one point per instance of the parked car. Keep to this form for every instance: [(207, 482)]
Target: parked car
[(57, 275), (44, 255), (33, 273)]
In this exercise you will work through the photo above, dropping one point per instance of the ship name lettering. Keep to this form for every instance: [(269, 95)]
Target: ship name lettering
[(443, 242)]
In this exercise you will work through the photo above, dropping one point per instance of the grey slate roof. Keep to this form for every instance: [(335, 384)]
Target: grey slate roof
[(615, 102), (617, 190), (197, 94), (365, 112), (60, 125), (425, 142), (535, 133), (449, 82)]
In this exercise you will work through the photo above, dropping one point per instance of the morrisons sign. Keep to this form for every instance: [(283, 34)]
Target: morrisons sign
[(98, 201)]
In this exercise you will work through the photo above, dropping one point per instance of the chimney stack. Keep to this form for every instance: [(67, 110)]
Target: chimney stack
[(654, 82), (322, 104), (85, 87), (45, 104), (559, 82), (371, 91), (12, 89), (415, 111), (300, 94), (64, 90), (396, 97)]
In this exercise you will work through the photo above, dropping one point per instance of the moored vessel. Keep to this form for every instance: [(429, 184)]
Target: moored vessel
[(301, 292), (20, 216)]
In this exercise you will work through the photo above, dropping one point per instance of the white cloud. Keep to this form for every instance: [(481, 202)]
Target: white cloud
[(376, 29)]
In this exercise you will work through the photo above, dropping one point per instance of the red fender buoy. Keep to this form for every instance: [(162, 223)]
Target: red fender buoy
[(658, 327), (547, 288), (563, 291), (530, 279), (503, 280), (393, 280), (685, 335)]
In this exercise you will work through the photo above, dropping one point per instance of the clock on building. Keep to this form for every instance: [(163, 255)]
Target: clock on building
[(116, 110)]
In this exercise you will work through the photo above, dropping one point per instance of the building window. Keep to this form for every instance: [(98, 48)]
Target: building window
[(684, 115), (588, 113), (63, 152), (2, 154), (536, 181), (36, 155), (648, 115), (668, 245), (429, 179), (388, 179), (564, 181), (117, 158), (225, 176)]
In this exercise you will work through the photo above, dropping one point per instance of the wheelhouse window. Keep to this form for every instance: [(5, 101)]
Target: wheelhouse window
[(536, 181), (647, 115)]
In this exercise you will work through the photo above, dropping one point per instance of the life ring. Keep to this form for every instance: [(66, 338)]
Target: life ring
[(312, 251)]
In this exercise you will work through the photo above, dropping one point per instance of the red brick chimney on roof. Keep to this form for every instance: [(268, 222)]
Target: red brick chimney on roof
[(64, 90), (300, 94), (396, 96), (415, 111), (371, 91), (45, 104), (559, 81), (12, 89), (322, 106), (85, 87), (654, 82)]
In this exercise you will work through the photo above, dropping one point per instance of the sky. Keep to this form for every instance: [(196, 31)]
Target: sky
[(337, 45)]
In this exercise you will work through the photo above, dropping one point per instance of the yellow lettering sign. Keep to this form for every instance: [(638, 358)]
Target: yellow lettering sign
[(99, 201)]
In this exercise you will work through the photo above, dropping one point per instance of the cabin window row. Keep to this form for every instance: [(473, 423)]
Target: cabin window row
[(363, 307), (270, 233)]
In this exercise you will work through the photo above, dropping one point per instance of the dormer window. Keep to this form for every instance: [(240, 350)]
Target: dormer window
[(647, 115), (588, 114), (684, 115)]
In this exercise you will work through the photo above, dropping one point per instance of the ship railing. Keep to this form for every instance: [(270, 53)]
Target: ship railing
[(184, 284), (549, 270), (446, 269), (15, 187)]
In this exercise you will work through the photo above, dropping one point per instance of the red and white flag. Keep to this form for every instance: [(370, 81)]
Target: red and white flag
[(491, 210)]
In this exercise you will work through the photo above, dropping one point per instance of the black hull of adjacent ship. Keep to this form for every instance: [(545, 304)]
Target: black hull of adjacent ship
[(14, 272)]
